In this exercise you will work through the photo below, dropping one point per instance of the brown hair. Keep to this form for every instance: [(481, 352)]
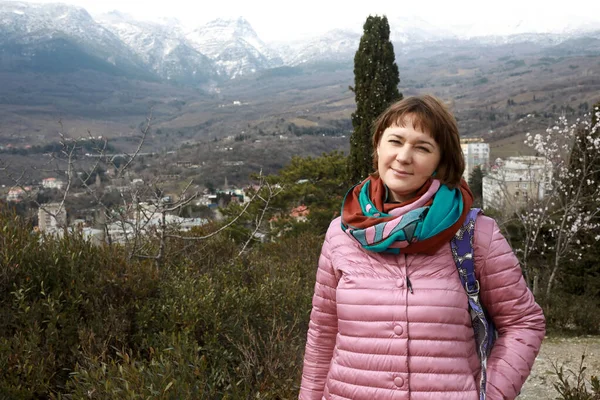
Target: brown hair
[(430, 115)]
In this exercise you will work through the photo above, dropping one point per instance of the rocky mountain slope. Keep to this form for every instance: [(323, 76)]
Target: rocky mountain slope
[(163, 48), (223, 49)]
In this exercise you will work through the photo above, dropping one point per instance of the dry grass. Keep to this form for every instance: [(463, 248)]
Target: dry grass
[(510, 146), (302, 122), (561, 351)]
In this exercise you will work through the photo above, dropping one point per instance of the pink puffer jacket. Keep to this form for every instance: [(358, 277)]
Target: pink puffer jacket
[(371, 338)]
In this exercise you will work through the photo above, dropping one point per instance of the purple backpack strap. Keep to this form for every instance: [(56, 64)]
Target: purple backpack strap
[(483, 327)]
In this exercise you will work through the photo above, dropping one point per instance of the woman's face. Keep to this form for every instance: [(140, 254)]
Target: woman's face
[(407, 158)]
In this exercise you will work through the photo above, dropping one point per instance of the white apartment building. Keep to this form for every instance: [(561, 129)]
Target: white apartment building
[(476, 153), (52, 183), (122, 231), (511, 183), (51, 217)]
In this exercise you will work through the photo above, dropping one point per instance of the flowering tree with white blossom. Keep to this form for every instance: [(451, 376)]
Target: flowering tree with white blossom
[(570, 208)]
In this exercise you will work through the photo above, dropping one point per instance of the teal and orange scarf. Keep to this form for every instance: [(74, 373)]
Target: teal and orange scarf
[(420, 225)]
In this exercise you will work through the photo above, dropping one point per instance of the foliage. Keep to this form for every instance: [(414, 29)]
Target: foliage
[(339, 128), (78, 320), (84, 321), (318, 183), (570, 313), (315, 183), (89, 145), (55, 297), (376, 80), (579, 391), (565, 221), (584, 155), (556, 237)]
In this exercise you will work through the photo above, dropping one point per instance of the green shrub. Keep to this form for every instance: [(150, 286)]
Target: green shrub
[(81, 321), (567, 312), (173, 370), (61, 295)]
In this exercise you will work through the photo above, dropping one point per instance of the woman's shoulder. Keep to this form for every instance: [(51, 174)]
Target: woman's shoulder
[(488, 238), (336, 237), (336, 222), (335, 228), (485, 226)]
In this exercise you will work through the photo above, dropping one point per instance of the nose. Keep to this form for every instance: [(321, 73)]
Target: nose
[(404, 154)]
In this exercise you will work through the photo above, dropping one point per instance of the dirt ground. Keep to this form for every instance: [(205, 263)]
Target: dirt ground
[(561, 351)]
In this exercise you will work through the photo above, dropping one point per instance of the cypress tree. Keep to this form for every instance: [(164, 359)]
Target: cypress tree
[(376, 80)]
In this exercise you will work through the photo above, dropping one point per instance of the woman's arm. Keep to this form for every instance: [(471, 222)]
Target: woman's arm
[(322, 329), (518, 318)]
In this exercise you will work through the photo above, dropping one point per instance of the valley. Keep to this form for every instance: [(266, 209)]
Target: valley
[(499, 89)]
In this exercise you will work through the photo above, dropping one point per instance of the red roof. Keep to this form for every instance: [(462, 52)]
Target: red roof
[(300, 211)]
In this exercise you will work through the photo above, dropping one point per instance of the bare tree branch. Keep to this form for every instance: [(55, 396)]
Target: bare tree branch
[(271, 195), (230, 223), (140, 144)]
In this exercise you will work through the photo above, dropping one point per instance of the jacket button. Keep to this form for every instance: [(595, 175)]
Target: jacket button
[(400, 283), (398, 330), (398, 381)]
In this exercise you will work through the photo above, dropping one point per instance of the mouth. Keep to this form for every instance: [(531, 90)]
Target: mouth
[(400, 173)]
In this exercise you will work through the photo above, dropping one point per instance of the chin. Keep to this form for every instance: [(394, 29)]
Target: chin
[(401, 193), (401, 186)]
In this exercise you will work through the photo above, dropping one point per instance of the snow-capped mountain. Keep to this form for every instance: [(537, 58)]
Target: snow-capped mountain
[(163, 48), (336, 45), (27, 27), (526, 25), (234, 47), (413, 29), (59, 37), (407, 34)]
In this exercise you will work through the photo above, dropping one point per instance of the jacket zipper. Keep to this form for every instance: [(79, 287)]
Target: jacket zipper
[(410, 290), (409, 285), (408, 282)]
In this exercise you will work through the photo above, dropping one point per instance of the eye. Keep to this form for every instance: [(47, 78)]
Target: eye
[(395, 141), (424, 149)]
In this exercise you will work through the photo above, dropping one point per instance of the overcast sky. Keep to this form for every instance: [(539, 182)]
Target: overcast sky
[(280, 19)]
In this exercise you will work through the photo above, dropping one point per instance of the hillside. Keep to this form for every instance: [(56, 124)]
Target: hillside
[(260, 92)]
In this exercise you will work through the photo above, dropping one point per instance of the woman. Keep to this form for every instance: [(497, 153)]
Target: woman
[(390, 317)]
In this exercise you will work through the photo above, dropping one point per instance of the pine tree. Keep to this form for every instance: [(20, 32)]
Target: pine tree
[(376, 80)]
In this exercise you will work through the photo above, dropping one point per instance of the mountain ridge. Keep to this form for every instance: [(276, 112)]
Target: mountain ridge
[(221, 49), (306, 96)]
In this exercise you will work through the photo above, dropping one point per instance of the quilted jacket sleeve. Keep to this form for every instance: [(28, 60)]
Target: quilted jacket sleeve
[(322, 329), (518, 319)]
